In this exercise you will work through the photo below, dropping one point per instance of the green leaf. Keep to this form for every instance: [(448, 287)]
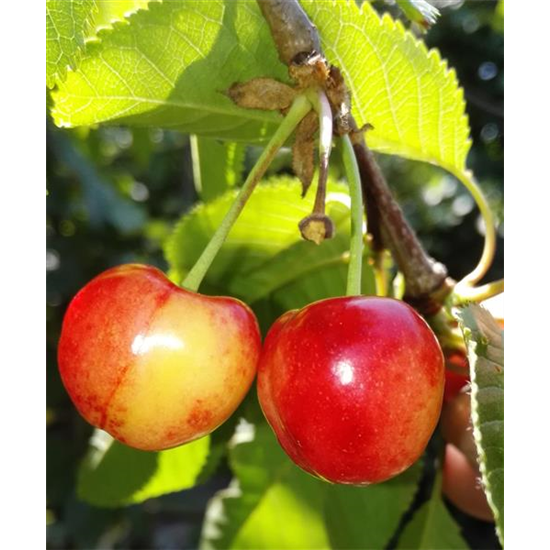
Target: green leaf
[(367, 517), (217, 166), (324, 275), (432, 528), (110, 11), (310, 513), (67, 23), (405, 91), (70, 22), (299, 263), (115, 475), (485, 341), (264, 253), (268, 486), (169, 66)]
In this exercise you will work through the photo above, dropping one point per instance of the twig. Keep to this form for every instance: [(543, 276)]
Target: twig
[(425, 279), (294, 34)]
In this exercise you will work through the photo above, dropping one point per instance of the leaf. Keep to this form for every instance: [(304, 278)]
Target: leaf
[(303, 150), (405, 91), (367, 517), (110, 11), (308, 511), (485, 341), (217, 166), (302, 273), (432, 528), (268, 486), (114, 475), (267, 225), (70, 22), (67, 23), (262, 93), (169, 66), (264, 254)]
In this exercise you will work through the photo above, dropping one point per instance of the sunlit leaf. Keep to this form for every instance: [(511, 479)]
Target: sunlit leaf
[(169, 66), (67, 24), (399, 86), (264, 250), (113, 474), (268, 486)]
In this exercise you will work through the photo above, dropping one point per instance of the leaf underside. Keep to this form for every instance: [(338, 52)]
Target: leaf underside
[(113, 474), (171, 64), (485, 342)]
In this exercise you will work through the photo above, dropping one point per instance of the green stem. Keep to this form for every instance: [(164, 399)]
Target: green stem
[(463, 293), (298, 110), (356, 242), (488, 253)]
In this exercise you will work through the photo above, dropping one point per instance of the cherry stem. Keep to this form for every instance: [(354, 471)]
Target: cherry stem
[(300, 107), (464, 293), (356, 241), (322, 106), (488, 253)]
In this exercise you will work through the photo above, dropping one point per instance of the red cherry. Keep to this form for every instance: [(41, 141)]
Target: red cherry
[(462, 485), (457, 373), (153, 364), (456, 425), (352, 387)]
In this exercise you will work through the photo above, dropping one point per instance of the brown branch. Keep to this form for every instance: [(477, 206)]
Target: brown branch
[(294, 34), (426, 281)]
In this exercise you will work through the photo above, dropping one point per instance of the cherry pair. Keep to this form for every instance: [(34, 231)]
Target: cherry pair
[(351, 386)]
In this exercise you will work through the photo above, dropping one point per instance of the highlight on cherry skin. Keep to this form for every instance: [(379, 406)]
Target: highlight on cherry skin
[(153, 364), (352, 387)]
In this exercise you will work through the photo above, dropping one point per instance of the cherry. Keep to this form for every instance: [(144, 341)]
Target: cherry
[(352, 387), (457, 373), (456, 425), (153, 364), (462, 485), (461, 477)]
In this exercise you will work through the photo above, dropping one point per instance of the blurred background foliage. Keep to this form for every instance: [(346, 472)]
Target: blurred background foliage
[(114, 195)]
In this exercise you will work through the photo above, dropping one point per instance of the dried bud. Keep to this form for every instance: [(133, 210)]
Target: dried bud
[(262, 93), (309, 71), (303, 150), (317, 228)]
